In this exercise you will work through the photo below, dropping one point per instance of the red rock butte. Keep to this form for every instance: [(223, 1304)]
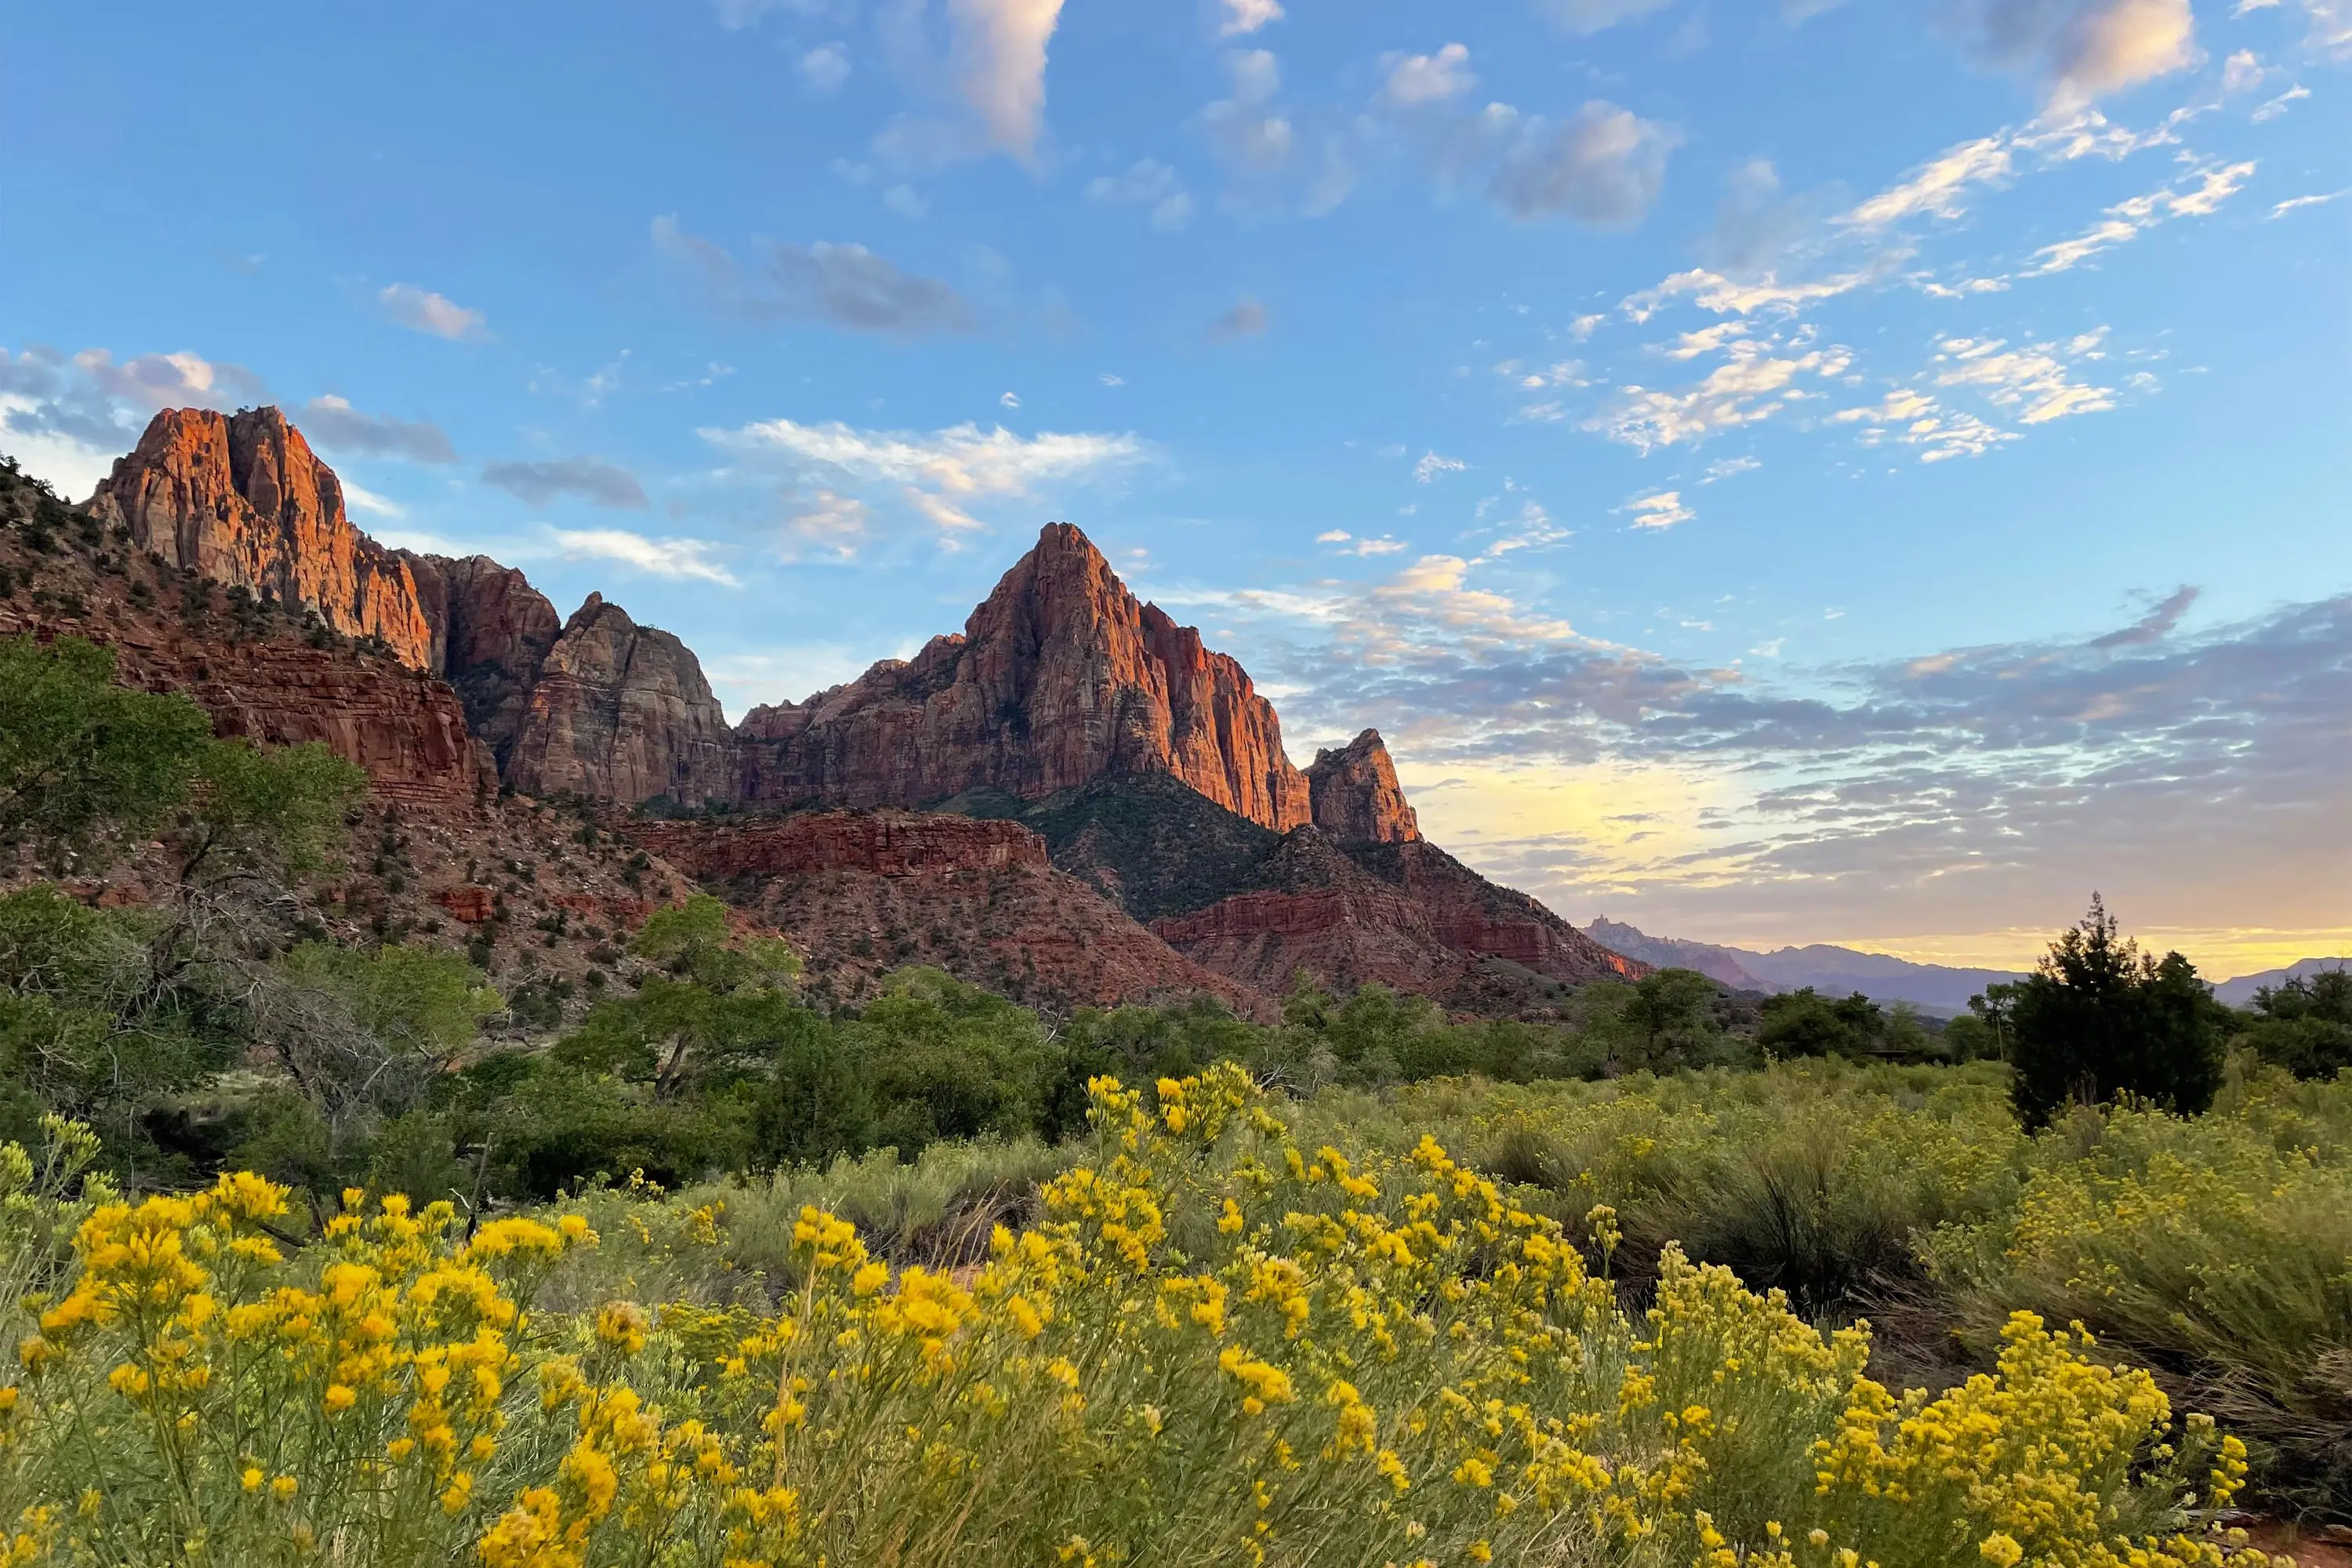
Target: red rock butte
[(241, 498)]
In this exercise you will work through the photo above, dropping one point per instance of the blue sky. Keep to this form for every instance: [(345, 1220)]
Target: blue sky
[(1854, 471)]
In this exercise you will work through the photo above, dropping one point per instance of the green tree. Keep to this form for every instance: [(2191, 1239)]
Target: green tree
[(1803, 1023), (2305, 1023), (81, 756), (2098, 1018), (273, 810), (697, 942), (1669, 1021)]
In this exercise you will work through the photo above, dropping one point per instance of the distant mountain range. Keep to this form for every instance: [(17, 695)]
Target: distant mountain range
[(2240, 993), (1840, 971), (1834, 971)]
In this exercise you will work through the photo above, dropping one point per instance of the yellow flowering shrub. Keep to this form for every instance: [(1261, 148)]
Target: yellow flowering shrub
[(1217, 1345)]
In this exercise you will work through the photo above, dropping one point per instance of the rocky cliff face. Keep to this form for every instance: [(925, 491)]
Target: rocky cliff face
[(621, 712), (1061, 678), (1356, 795), (491, 634), (877, 843), (241, 499)]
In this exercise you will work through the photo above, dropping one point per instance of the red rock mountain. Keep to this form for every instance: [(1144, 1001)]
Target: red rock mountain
[(621, 712), (242, 499), (1147, 774), (491, 634), (1060, 678), (1357, 797)]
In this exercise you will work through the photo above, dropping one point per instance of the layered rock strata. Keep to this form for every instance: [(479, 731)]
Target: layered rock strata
[(878, 843), (1059, 679), (242, 499), (621, 712)]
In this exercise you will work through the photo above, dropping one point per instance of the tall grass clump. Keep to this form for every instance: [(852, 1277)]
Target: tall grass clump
[(2217, 1250), (1218, 1343)]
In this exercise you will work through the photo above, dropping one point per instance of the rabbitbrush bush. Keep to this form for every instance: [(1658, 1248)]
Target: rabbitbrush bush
[(1217, 1347)]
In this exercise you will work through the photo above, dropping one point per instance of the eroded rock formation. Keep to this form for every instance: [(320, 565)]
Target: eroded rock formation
[(242, 499), (1356, 795), (1061, 678), (621, 712), (491, 633)]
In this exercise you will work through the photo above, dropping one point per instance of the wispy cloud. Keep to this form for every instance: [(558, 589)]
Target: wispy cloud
[(843, 284), (330, 422), (682, 559), (936, 475), (422, 310), (592, 480)]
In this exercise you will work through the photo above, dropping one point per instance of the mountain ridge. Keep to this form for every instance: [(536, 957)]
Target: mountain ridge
[(1933, 987)]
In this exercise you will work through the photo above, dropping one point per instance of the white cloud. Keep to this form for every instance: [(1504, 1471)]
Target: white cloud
[(2081, 49), (2214, 185), (1659, 509), (1430, 464), (1757, 382), (2034, 379), (826, 521), (983, 83), (938, 475), (2292, 203), (1706, 340), (421, 311), (1244, 17), (2242, 72), (1349, 545), (2277, 106), (1713, 291), (1415, 79), (1915, 419), (675, 558), (1936, 188), (997, 52), (1729, 467), (1009, 399), (825, 67), (1245, 128), (366, 500), (1603, 166)]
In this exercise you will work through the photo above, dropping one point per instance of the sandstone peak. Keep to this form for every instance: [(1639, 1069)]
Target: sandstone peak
[(1356, 795), (1061, 676), (242, 500)]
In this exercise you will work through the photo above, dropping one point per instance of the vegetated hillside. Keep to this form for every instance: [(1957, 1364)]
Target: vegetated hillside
[(1262, 907), (1933, 987), (1151, 843), (864, 893)]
